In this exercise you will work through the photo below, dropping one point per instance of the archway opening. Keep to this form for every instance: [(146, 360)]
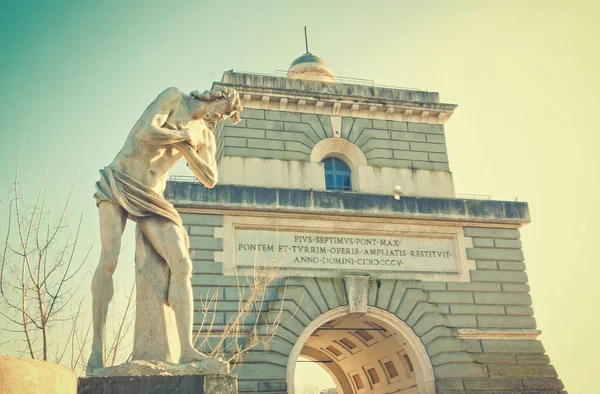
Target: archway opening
[(312, 378), (366, 353)]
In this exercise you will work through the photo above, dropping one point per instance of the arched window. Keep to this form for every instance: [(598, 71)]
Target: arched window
[(337, 174)]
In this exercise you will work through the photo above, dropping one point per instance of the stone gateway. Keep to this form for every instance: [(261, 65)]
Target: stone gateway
[(381, 274)]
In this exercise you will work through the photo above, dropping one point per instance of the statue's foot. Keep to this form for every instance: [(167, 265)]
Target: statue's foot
[(94, 363), (192, 355)]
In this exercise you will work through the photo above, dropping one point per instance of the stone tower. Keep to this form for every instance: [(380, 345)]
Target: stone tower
[(342, 189)]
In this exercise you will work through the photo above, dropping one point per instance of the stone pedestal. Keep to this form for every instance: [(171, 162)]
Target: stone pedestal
[(155, 332), (209, 376)]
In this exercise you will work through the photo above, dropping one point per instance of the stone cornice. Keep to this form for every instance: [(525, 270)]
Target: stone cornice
[(283, 94), (187, 195)]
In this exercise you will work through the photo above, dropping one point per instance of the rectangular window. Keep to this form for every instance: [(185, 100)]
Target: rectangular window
[(364, 335), (348, 343), (334, 351), (373, 375), (358, 382), (408, 363), (391, 369)]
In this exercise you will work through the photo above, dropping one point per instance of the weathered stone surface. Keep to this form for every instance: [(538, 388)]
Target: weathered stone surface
[(543, 384), (499, 276), (357, 288), (495, 254), (159, 384), (492, 232), (152, 368), (477, 309), (142, 385), (460, 370), (449, 384), (312, 201), (155, 334), (220, 384), (26, 376), (522, 371), (512, 346), (500, 298), (493, 384)]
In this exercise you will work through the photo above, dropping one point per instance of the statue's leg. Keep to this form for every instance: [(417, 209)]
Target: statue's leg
[(112, 223), (168, 240)]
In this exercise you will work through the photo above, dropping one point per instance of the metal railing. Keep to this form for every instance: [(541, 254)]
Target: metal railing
[(338, 79), (467, 196), (183, 178)]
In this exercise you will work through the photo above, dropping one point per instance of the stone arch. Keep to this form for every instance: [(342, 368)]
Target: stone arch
[(344, 150), (423, 368)]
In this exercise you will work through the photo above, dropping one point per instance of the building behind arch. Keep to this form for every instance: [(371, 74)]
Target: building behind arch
[(391, 281)]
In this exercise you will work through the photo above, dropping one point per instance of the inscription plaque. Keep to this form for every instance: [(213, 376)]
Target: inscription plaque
[(312, 250)]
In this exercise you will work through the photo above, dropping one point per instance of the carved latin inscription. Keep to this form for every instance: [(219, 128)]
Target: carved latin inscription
[(300, 250)]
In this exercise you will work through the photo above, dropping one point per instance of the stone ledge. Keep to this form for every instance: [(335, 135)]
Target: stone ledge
[(232, 197), (479, 333), (210, 366)]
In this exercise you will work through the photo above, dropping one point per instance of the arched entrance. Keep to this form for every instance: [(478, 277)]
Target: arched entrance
[(373, 352)]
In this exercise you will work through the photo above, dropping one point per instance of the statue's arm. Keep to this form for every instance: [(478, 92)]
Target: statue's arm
[(155, 129), (202, 162)]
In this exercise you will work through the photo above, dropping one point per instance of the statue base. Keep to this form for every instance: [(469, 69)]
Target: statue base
[(210, 366), (210, 376)]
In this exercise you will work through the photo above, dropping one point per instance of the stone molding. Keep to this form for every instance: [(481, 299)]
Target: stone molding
[(185, 195), (341, 148), (334, 107), (329, 99), (479, 333)]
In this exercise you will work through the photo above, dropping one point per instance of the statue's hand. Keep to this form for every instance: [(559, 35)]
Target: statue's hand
[(195, 137)]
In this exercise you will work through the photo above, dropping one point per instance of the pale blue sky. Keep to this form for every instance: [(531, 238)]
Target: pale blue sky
[(75, 76)]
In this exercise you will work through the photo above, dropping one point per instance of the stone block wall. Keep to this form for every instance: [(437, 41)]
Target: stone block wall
[(292, 135), (495, 306), (473, 331)]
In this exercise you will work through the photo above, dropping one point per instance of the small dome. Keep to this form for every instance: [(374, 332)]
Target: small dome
[(311, 67)]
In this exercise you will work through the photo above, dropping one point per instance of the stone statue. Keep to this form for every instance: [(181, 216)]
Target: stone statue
[(174, 125)]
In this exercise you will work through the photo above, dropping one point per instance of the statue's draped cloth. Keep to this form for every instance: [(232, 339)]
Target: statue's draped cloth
[(137, 199)]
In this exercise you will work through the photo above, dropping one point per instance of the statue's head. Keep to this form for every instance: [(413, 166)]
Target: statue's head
[(223, 103)]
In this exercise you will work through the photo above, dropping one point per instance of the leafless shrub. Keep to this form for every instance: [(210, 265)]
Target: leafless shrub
[(242, 332), (40, 278)]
